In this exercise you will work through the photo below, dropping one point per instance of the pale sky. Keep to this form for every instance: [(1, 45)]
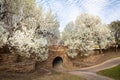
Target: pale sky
[(68, 10)]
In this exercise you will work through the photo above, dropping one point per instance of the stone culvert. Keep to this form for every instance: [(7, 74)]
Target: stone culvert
[(57, 57)]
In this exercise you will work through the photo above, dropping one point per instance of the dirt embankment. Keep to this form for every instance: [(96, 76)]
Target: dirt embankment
[(25, 65), (95, 58)]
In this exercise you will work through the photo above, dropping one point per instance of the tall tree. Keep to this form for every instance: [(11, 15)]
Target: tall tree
[(28, 28), (52, 25), (103, 37), (67, 30), (115, 27), (89, 32)]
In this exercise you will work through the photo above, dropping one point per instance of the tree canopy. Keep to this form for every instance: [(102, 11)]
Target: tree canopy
[(86, 34), (26, 29), (115, 27)]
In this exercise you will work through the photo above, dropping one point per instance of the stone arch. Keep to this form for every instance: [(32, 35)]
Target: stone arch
[(57, 62), (56, 54)]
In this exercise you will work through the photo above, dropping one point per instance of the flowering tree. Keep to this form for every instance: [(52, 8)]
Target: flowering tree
[(103, 37), (115, 27), (3, 35), (80, 39), (28, 29), (89, 32), (28, 40), (115, 30)]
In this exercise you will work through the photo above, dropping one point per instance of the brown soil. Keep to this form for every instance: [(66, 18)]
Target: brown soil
[(78, 63), (95, 59), (23, 76)]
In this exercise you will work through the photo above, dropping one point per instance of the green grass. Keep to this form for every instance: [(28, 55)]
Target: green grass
[(112, 72)]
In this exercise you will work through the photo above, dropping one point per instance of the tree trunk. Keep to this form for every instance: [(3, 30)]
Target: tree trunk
[(116, 46), (100, 51)]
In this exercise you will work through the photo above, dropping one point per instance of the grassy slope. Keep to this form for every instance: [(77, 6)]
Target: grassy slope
[(60, 76), (112, 72)]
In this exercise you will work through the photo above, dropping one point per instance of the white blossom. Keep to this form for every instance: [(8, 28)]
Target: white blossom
[(85, 34), (3, 34)]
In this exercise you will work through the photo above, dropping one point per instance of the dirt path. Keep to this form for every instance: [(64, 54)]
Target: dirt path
[(89, 73)]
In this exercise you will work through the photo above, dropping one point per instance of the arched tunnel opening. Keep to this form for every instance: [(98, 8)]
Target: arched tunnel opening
[(57, 62)]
